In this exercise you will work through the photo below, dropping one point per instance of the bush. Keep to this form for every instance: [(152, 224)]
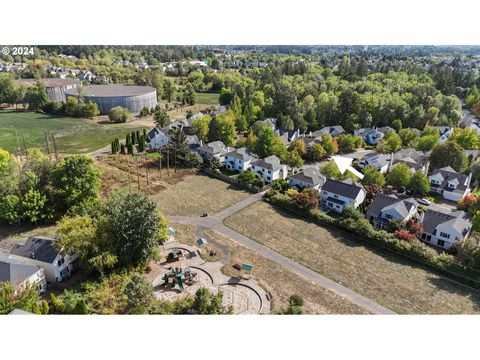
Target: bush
[(251, 178), (119, 114)]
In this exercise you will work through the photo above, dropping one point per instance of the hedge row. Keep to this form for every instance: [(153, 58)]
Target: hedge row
[(363, 231)]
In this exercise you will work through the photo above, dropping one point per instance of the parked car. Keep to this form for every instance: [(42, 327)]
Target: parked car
[(424, 201)]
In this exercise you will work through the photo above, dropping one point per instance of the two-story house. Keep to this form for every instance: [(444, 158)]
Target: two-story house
[(450, 184), (442, 229), (371, 136), (287, 136), (307, 178), (333, 131), (386, 208), (21, 274), (41, 252), (270, 168), (336, 195), (239, 159), (157, 138)]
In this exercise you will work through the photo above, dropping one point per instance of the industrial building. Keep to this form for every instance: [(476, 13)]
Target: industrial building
[(134, 98), (56, 88)]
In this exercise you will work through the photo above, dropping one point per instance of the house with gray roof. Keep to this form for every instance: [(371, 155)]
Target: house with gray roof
[(239, 159), (414, 159), (445, 132), (386, 208), (214, 149), (270, 168), (307, 178), (40, 251), (329, 130), (444, 229), (371, 136), (381, 162), (287, 136), (157, 138), (336, 195), (21, 274), (450, 184)]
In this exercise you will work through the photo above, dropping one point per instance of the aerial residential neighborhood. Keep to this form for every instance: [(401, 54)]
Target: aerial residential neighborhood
[(225, 180)]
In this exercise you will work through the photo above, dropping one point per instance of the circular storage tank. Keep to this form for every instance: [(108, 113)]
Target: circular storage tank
[(56, 88), (134, 98)]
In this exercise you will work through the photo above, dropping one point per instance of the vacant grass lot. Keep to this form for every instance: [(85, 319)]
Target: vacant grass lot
[(197, 194), (390, 281), (73, 135), (204, 98), (282, 283)]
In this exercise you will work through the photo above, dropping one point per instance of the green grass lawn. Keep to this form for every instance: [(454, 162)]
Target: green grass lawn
[(73, 135), (204, 98)]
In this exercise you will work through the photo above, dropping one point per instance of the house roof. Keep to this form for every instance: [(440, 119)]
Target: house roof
[(449, 175), (242, 153), (270, 162), (37, 248), (309, 175), (376, 160), (154, 132), (385, 129), (330, 130), (347, 188), (457, 220), (214, 147), (14, 271)]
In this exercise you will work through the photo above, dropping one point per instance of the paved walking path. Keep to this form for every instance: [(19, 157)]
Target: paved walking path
[(215, 223)]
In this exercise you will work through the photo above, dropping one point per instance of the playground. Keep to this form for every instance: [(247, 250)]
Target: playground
[(181, 271)]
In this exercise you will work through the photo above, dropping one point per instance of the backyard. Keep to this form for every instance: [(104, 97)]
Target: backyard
[(72, 135), (392, 282)]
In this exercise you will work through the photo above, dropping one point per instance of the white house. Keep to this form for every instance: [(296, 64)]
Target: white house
[(385, 208), (450, 184), (239, 159), (445, 132), (270, 168), (336, 195), (307, 178), (22, 274), (442, 229), (157, 138), (41, 252)]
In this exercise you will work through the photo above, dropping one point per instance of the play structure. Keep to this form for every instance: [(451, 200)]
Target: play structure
[(179, 276), (174, 255)]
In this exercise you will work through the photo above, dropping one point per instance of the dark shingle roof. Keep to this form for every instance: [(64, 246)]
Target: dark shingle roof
[(309, 175), (343, 188), (270, 162), (458, 220), (37, 248), (450, 175)]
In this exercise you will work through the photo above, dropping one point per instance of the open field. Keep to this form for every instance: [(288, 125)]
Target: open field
[(73, 135), (197, 194), (204, 98), (390, 281), (282, 283)]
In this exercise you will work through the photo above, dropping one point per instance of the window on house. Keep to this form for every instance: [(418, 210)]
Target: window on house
[(441, 243), (335, 196), (268, 178), (388, 216), (445, 235)]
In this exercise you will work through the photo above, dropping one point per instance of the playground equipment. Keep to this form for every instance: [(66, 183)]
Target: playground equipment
[(179, 276), (174, 255)]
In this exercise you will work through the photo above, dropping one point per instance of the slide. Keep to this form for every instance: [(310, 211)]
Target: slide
[(180, 283)]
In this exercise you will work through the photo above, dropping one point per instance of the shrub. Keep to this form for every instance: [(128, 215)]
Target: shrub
[(119, 114), (307, 199)]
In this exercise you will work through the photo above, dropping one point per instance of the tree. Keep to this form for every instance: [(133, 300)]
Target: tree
[(189, 95), (371, 175), (448, 154), (307, 199), (10, 209), (249, 177), (119, 114), (200, 127), (298, 145), (293, 159), (75, 180), (134, 227), (161, 118), (206, 303), (8, 173), (11, 298), (268, 144), (7, 88), (222, 128), (318, 152), (72, 106), (390, 143), (428, 142), (419, 184), (397, 124), (349, 143), (226, 96), (89, 109), (36, 96), (409, 137), (169, 89), (399, 176), (330, 170), (34, 207), (295, 303), (467, 138), (329, 144), (140, 297), (372, 190)]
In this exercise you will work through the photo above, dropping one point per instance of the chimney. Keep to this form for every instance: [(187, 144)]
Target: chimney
[(469, 179), (201, 143), (422, 216)]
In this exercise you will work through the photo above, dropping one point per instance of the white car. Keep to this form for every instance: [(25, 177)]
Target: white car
[(424, 201)]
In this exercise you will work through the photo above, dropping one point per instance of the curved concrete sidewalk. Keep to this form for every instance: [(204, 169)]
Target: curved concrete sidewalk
[(215, 223)]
